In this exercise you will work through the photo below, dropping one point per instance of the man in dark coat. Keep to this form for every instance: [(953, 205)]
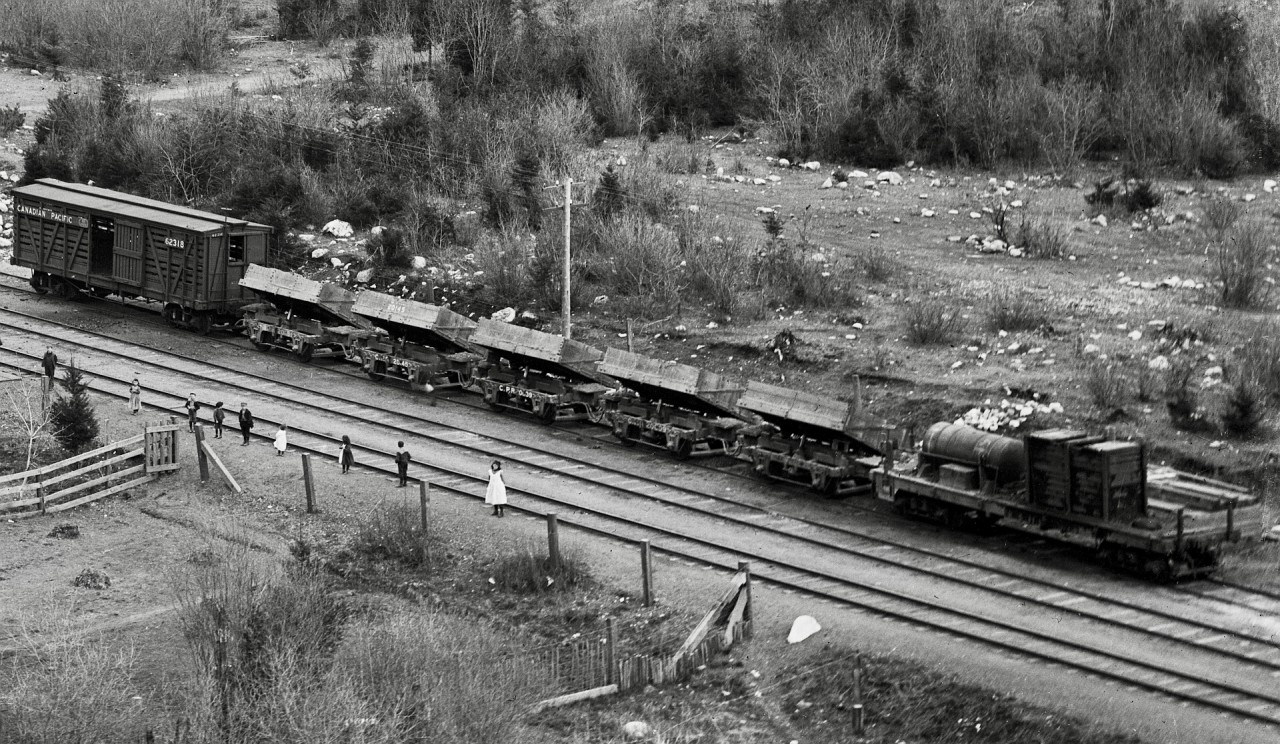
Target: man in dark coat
[(402, 464), (246, 423), (49, 362)]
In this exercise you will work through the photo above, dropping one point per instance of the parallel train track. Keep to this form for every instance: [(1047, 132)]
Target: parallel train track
[(1200, 640)]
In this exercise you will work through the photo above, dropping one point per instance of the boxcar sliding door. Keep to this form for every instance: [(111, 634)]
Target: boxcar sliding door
[(128, 257)]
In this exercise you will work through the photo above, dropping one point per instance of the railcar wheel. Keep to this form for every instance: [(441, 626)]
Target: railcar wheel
[(548, 413), (173, 315), (259, 344), (66, 290), (683, 449), (305, 352), (201, 324), (40, 282), (624, 436), (491, 400), (596, 415)]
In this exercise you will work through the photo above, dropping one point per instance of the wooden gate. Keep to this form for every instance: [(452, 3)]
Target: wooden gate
[(162, 448)]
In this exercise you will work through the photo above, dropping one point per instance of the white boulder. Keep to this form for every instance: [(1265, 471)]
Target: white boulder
[(364, 275), (320, 253), (1269, 185), (803, 627), (338, 229), (505, 315), (1100, 220), (812, 165), (419, 263), (826, 184), (1159, 363), (859, 174), (890, 177), (784, 163), (636, 731)]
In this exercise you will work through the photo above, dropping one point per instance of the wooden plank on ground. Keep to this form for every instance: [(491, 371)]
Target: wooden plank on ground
[(226, 474), (704, 625), (575, 697), (736, 616)]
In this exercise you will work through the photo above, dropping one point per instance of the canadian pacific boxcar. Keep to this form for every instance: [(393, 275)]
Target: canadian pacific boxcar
[(78, 238)]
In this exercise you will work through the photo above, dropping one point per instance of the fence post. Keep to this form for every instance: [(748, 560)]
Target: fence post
[(646, 573), (745, 567), (40, 493), (201, 457), (610, 652), (859, 721), (553, 539), (424, 497), (306, 479)]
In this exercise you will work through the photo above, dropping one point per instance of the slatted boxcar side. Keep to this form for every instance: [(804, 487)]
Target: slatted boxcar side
[(82, 238)]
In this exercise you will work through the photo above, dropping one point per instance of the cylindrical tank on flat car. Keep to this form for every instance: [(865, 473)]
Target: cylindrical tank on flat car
[(967, 444)]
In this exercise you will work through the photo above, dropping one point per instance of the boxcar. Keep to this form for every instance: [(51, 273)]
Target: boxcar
[(78, 238)]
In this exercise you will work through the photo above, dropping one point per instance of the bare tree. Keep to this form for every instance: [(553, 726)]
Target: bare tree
[(35, 421)]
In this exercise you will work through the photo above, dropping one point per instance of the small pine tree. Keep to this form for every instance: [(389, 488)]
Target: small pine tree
[(361, 66), (1243, 408), (607, 201), (75, 425)]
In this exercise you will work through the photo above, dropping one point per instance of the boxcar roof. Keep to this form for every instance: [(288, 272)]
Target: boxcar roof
[(137, 207)]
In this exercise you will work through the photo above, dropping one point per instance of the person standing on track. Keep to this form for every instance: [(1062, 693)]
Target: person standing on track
[(193, 406), (246, 423), (346, 458), (282, 440), (496, 494), (50, 363), (135, 396), (402, 464), (219, 415)]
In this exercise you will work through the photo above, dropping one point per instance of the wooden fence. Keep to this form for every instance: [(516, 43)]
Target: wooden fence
[(93, 475), (593, 668)]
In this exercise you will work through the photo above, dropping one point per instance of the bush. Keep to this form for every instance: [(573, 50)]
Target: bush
[(1106, 386), (1181, 399), (393, 532), (1242, 266), (876, 264), (529, 571), (1220, 216), (1243, 408), (1016, 311), (11, 119), (259, 632), (932, 322), (1259, 359), (75, 425), (1039, 238)]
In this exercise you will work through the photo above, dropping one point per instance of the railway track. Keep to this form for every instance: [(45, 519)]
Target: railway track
[(773, 537)]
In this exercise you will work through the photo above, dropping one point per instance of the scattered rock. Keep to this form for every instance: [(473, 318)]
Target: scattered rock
[(1135, 335), (765, 210), (826, 184), (1269, 185), (955, 238), (1100, 220), (334, 261), (842, 185), (890, 177), (1159, 363), (784, 163), (859, 174), (812, 165), (90, 579), (927, 213), (1092, 349), (364, 275), (1248, 198), (505, 315), (636, 731), (66, 531), (320, 253), (758, 181)]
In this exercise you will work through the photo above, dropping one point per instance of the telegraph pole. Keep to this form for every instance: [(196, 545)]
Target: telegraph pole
[(565, 301)]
